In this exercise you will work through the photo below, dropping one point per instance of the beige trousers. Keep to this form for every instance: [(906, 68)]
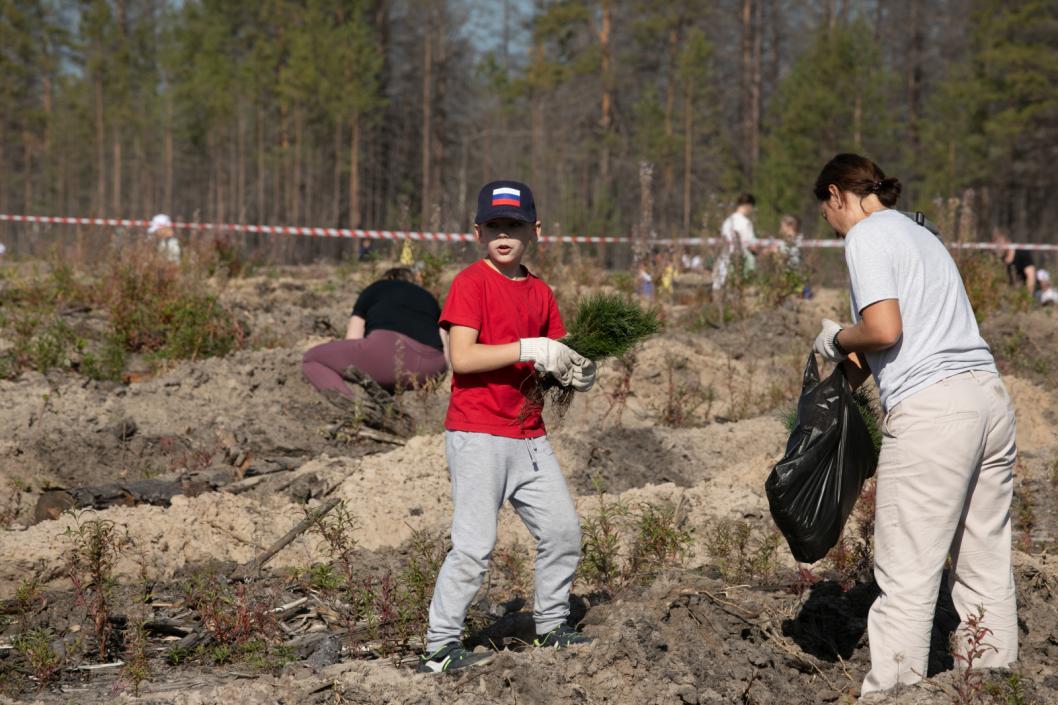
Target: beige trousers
[(945, 483)]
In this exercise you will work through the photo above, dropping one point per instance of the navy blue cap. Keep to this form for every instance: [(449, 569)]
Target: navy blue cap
[(505, 199)]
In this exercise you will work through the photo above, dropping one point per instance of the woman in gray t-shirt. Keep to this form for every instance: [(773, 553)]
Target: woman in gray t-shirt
[(945, 479)]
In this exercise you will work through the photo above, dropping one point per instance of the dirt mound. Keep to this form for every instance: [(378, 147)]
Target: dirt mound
[(688, 639), (699, 430), (1025, 343)]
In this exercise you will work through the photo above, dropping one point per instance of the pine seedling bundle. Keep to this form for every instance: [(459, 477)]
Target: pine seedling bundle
[(609, 325), (603, 326)]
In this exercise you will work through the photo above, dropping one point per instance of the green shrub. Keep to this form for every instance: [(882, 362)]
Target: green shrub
[(742, 553), (196, 325), (623, 545)]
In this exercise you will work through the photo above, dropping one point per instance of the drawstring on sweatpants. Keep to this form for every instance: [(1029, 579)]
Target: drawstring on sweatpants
[(529, 445)]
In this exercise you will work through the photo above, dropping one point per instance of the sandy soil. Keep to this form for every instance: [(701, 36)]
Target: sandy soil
[(690, 638)]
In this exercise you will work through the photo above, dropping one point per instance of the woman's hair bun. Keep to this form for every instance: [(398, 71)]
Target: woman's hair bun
[(888, 191)]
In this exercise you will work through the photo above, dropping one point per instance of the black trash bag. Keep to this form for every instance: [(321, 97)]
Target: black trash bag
[(829, 456)]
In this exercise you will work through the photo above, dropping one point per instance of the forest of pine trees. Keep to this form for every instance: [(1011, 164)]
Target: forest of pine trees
[(391, 113)]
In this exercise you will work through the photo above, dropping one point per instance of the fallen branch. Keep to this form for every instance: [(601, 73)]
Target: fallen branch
[(248, 569)]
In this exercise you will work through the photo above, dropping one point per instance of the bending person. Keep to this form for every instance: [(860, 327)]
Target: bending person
[(392, 338), (945, 479)]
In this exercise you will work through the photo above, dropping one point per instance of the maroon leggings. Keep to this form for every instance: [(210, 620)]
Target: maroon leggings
[(384, 355)]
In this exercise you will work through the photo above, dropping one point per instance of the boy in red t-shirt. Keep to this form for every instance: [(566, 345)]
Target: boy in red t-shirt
[(503, 324)]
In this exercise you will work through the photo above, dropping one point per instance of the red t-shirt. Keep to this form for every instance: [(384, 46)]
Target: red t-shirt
[(502, 311)]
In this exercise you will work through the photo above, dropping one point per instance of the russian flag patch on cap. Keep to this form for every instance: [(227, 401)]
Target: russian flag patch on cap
[(507, 196)]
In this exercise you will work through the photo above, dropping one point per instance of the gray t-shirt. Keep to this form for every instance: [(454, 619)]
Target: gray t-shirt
[(891, 257)]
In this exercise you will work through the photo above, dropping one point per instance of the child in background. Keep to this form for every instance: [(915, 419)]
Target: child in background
[(790, 246), (503, 327), (168, 246), (1046, 294)]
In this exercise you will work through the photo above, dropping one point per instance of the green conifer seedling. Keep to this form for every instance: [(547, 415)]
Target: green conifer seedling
[(603, 326)]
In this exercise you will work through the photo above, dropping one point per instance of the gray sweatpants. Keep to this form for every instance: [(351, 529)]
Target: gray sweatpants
[(486, 470)]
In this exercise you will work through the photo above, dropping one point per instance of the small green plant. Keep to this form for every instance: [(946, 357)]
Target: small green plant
[(42, 660), (95, 546), (28, 599), (619, 394), (338, 530), (684, 397), (623, 282), (777, 280), (323, 577), (623, 546), (137, 666), (852, 559), (231, 615), (601, 543), (107, 362), (433, 266), (968, 646), (742, 553), (512, 564), (1009, 691), (659, 541), (987, 287), (426, 553)]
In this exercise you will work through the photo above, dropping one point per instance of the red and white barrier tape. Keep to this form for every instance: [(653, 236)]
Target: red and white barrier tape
[(445, 237)]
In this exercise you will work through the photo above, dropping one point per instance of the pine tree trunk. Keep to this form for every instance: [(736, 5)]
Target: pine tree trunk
[(240, 174), (262, 175), (669, 171), (536, 120), (438, 128), (336, 186), (167, 199), (101, 150), (27, 171), (755, 90), (354, 172), (688, 154), (427, 81), (745, 79), (296, 207), (602, 187), (914, 81), (115, 196), (606, 102)]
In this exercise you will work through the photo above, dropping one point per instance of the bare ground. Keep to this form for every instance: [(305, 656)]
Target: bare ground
[(691, 637)]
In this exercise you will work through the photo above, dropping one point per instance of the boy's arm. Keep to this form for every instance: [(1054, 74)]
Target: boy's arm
[(470, 356)]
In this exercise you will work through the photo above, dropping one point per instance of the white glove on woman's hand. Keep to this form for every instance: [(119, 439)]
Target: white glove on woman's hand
[(552, 357), (824, 344), (584, 376)]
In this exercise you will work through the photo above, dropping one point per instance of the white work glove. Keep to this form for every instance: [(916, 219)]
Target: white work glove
[(552, 357), (824, 344), (584, 376)]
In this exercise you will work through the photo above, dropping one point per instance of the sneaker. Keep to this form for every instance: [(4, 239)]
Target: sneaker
[(561, 637), (452, 657)]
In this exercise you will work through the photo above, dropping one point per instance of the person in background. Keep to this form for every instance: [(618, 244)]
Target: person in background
[(161, 228), (945, 474), (790, 239), (1021, 268), (667, 269), (738, 235), (691, 262), (392, 338), (644, 281), (1046, 294)]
